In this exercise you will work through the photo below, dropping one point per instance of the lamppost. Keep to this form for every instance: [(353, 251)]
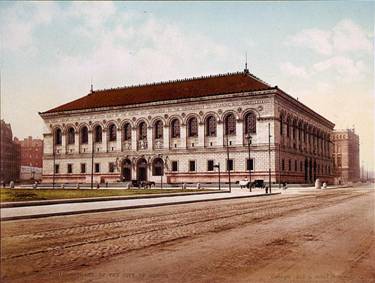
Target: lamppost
[(162, 172), (228, 169), (280, 164), (33, 174), (269, 155), (218, 167), (92, 159), (54, 160), (249, 162)]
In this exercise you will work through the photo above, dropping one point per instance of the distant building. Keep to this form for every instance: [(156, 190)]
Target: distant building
[(346, 156), (30, 173), (31, 158), (10, 153)]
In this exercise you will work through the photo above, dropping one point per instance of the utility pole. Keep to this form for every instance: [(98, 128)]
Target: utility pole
[(269, 156), (218, 167), (54, 159), (248, 146), (92, 159), (230, 186), (280, 164)]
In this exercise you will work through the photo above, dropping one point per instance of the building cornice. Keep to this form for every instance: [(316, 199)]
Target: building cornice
[(303, 108), (160, 103)]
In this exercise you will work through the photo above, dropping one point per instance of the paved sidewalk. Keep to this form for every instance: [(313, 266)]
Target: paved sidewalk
[(14, 213)]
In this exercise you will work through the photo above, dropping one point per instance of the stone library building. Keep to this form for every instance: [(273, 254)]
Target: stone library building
[(182, 131)]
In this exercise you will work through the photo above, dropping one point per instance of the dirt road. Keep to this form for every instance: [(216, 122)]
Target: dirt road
[(325, 236)]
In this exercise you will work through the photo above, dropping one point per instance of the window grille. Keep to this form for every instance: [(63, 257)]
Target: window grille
[(158, 129), (193, 127), (142, 131), (230, 125), (58, 137), (84, 135), (175, 128), (250, 123), (127, 132), (112, 132), (98, 134), (71, 136), (211, 126)]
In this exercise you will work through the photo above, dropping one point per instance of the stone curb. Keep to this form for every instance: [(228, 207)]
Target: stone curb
[(124, 207), (93, 199)]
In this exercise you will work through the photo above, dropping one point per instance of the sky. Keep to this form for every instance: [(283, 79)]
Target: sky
[(320, 52)]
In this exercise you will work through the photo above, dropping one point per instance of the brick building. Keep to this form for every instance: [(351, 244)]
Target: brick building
[(345, 156), (32, 152), (178, 130), (10, 154), (31, 158)]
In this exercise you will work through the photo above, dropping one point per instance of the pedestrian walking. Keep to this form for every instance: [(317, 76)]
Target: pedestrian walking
[(284, 186)]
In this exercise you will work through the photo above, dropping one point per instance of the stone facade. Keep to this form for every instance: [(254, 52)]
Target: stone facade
[(180, 139), (345, 156)]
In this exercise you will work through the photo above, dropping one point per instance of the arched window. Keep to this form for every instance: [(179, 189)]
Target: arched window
[(142, 131), (294, 133), (158, 129), (211, 126), (193, 127), (250, 123), (58, 137), (98, 133), (175, 128), (281, 125), (112, 132), (230, 125), (84, 135), (288, 127), (158, 167), (127, 132), (71, 136)]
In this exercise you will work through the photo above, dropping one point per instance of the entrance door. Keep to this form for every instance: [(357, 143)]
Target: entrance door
[(142, 170), (127, 170)]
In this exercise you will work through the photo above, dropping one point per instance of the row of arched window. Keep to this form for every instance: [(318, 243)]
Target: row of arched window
[(175, 129)]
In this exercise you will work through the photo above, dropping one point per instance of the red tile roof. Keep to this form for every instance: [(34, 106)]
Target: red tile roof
[(179, 89)]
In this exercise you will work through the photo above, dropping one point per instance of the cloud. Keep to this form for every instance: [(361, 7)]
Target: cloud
[(345, 67), (315, 39), (148, 50), (345, 36), (92, 15), (348, 36), (19, 21), (294, 71)]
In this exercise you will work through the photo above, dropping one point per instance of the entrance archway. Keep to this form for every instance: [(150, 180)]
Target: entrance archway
[(126, 170), (158, 167), (142, 170)]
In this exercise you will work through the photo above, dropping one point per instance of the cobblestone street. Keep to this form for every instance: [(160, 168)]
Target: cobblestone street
[(327, 235)]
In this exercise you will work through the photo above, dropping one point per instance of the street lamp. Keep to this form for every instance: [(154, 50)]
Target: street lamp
[(92, 159), (249, 163), (218, 167), (54, 159), (228, 169), (280, 164), (269, 156)]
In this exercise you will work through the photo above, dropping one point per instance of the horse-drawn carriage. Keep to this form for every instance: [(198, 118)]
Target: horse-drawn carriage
[(142, 184), (255, 184)]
